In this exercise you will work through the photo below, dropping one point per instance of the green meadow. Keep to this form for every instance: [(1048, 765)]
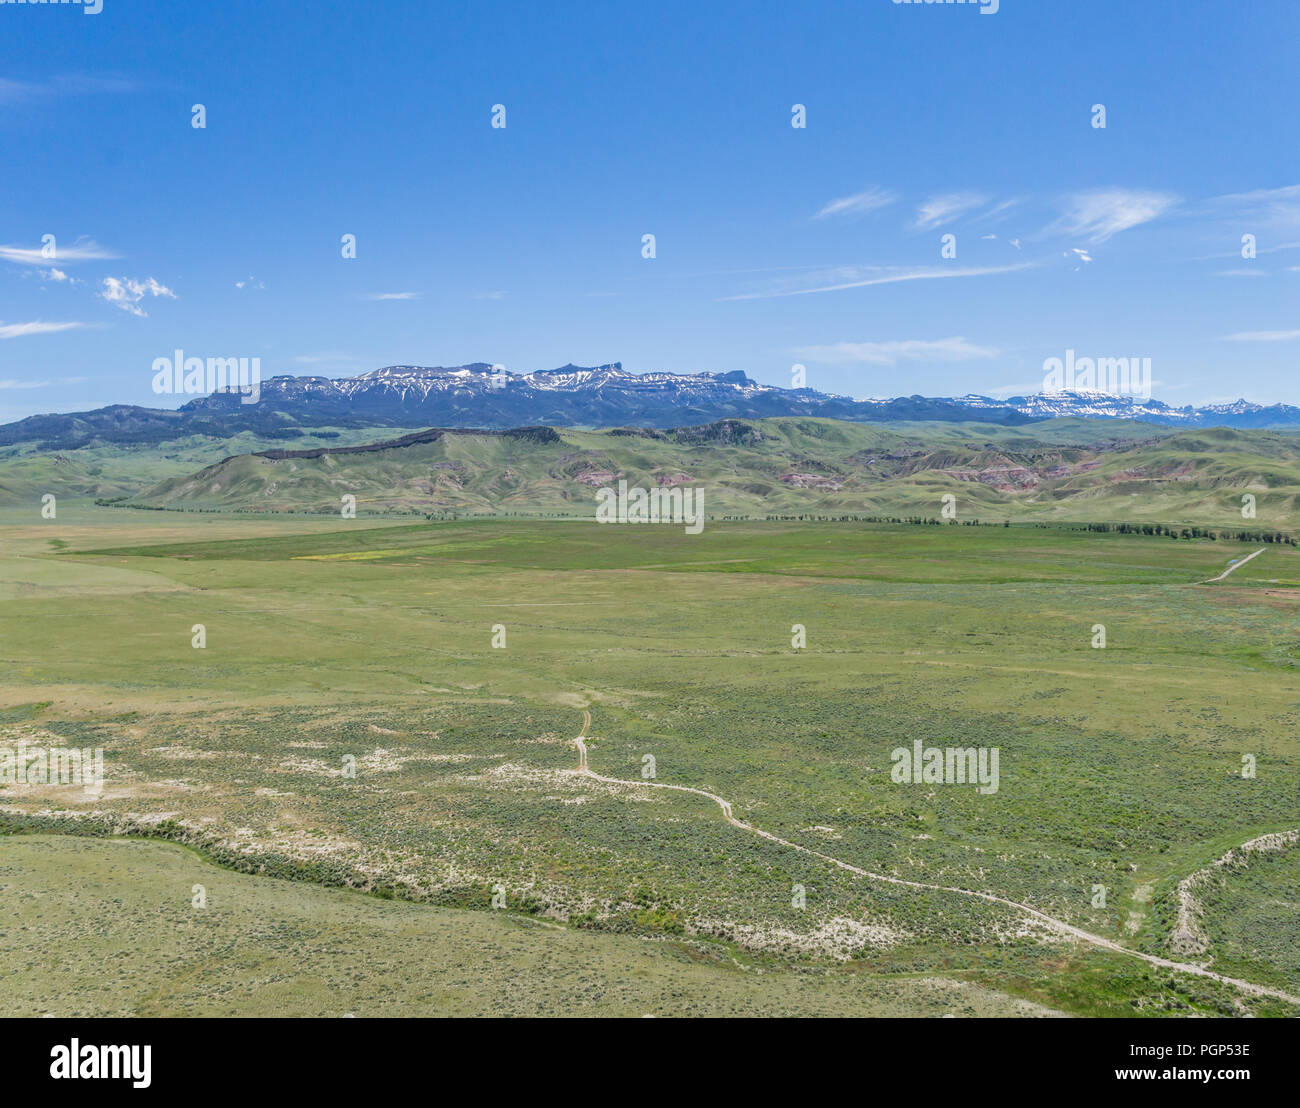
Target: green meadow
[(390, 709), (74, 911)]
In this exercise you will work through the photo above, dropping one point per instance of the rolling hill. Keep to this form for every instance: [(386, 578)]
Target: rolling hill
[(774, 467)]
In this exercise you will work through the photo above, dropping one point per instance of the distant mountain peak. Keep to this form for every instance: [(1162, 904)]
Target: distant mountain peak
[(478, 395), (612, 367)]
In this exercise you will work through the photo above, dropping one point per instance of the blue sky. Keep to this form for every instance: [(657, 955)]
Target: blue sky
[(774, 245)]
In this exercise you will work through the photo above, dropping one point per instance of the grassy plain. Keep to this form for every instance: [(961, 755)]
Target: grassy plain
[(335, 640), (263, 947)]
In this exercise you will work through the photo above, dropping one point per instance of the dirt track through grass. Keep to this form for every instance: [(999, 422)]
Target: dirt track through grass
[(1057, 925)]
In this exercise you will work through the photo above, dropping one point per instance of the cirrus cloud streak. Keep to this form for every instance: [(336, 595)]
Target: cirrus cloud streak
[(893, 351)]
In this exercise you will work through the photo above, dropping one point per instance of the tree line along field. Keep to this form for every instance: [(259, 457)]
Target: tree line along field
[(1120, 767)]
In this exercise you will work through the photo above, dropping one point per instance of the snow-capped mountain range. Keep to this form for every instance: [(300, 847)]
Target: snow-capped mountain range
[(607, 395), (481, 395)]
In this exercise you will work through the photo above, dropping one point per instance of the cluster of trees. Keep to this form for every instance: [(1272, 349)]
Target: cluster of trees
[(1259, 536), (1192, 532), (806, 518)]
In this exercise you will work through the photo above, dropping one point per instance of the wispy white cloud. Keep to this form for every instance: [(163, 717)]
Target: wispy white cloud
[(1263, 336), (892, 352), (1281, 204), (1103, 213), (126, 293), (1256, 196), (38, 327), (866, 201), (83, 250), (12, 383), (856, 277), (252, 284), (1025, 388), (326, 357), (1273, 249), (998, 211), (1242, 273), (939, 210), (391, 296), (67, 84)]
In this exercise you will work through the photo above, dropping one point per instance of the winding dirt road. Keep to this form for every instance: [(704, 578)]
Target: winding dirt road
[(1235, 565), (1057, 925)]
